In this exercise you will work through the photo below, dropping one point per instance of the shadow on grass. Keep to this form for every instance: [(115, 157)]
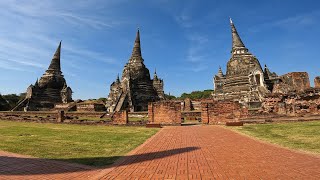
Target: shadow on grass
[(33, 166)]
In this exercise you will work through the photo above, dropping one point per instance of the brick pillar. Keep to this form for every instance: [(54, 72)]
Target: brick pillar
[(61, 116), (317, 82), (204, 113), (150, 112), (178, 119), (120, 117)]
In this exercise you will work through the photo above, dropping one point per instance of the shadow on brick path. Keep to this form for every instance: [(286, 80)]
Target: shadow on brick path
[(11, 165)]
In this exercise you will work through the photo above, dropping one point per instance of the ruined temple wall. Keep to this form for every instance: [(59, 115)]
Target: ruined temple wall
[(292, 82), (293, 105), (220, 112), (164, 112), (317, 82)]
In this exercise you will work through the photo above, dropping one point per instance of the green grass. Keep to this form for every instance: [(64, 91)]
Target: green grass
[(303, 136), (133, 119), (89, 145)]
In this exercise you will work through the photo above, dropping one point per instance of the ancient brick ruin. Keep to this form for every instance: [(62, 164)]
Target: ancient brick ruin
[(90, 106), (317, 82), (120, 118), (306, 102), (220, 112), (292, 82), (165, 112), (244, 81), (135, 89), (49, 90)]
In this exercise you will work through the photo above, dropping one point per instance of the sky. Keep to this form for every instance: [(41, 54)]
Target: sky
[(185, 41)]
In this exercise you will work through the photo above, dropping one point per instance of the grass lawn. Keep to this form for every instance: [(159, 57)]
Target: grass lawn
[(89, 145), (299, 135)]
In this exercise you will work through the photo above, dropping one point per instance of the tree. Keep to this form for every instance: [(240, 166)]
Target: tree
[(4, 105), (197, 94), (12, 99), (169, 97)]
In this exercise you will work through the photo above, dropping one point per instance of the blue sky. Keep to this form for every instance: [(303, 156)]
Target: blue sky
[(186, 41)]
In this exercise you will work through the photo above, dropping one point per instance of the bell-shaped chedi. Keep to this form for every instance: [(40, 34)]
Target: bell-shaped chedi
[(51, 89), (244, 80), (135, 89)]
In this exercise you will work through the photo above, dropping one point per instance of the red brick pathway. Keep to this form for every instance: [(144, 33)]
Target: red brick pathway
[(15, 166), (195, 152)]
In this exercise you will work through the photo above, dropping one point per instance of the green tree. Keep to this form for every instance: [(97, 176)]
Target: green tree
[(197, 94), (169, 97), (12, 99), (4, 105)]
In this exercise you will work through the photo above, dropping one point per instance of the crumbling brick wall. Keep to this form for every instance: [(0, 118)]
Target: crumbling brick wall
[(317, 82), (165, 112), (120, 118), (187, 105), (292, 82), (294, 104), (217, 112)]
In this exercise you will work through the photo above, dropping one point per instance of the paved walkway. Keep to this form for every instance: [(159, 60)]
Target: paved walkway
[(195, 152)]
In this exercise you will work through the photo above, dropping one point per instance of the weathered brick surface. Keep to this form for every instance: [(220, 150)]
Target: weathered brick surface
[(193, 152), (164, 112), (212, 152), (120, 118), (294, 104), (216, 112), (61, 116), (317, 82), (292, 82), (187, 105)]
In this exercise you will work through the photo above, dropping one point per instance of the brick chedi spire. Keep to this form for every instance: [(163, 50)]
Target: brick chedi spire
[(220, 73), (237, 44), (51, 89), (244, 79), (136, 52), (55, 62), (137, 89)]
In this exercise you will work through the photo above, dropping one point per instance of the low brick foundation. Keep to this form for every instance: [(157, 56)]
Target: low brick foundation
[(237, 123)]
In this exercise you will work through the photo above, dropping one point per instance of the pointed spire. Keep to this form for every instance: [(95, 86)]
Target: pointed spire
[(220, 73), (236, 40), (136, 52), (155, 76), (64, 85), (267, 72), (55, 62), (118, 79), (36, 83)]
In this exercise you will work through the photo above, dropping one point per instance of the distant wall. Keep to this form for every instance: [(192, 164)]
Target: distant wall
[(292, 82), (220, 112), (297, 104), (317, 82), (165, 112)]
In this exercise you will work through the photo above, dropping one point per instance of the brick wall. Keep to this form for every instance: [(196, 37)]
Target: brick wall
[(187, 105), (292, 82), (120, 118), (317, 82), (220, 112), (164, 112)]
